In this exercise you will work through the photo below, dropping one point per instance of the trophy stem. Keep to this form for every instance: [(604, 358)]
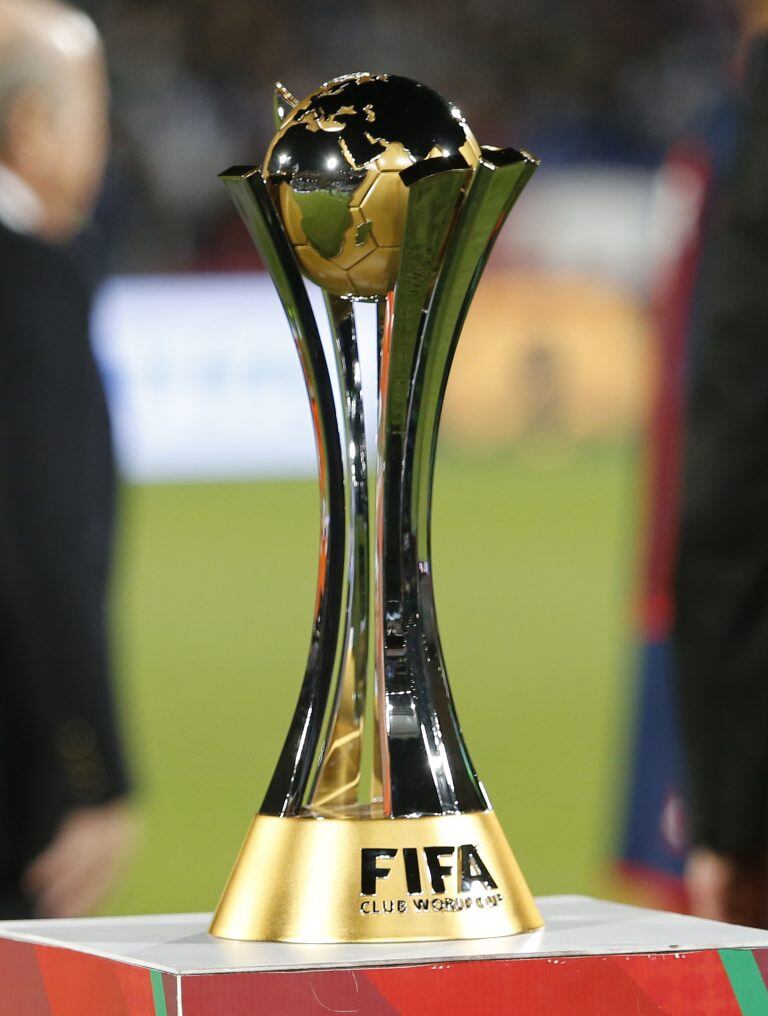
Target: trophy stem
[(427, 767), (424, 766), (338, 775)]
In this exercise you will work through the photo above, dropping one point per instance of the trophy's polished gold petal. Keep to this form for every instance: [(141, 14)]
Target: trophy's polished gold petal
[(375, 880)]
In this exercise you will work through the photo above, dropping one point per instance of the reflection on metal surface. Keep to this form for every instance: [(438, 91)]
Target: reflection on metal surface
[(363, 160), (339, 772)]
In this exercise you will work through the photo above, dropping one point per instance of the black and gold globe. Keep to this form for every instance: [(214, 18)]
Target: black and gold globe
[(336, 163)]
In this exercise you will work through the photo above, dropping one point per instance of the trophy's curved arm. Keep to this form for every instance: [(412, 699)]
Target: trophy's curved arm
[(427, 769), (496, 184), (338, 774), (404, 699), (287, 789)]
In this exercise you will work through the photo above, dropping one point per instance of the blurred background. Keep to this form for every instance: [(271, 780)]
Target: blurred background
[(539, 518)]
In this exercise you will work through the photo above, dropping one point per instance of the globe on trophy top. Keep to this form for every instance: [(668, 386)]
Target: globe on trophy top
[(336, 162)]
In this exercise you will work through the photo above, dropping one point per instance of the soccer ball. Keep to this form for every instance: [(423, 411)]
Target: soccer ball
[(336, 164)]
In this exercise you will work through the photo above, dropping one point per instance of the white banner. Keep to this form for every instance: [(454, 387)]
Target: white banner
[(203, 379)]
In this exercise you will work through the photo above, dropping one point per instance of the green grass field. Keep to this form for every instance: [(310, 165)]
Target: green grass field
[(533, 571)]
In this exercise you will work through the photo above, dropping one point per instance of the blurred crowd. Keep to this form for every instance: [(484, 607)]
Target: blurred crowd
[(589, 82)]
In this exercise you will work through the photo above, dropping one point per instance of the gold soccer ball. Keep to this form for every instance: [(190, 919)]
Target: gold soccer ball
[(336, 164)]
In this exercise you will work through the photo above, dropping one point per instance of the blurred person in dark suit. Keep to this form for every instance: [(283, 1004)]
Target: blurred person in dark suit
[(65, 824), (722, 575)]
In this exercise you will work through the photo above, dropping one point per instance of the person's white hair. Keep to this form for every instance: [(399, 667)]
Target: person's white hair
[(38, 38)]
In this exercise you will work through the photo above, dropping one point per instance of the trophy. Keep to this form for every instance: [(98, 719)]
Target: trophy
[(375, 189)]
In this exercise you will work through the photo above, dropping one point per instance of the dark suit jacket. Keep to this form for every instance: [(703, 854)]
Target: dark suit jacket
[(58, 741), (722, 578)]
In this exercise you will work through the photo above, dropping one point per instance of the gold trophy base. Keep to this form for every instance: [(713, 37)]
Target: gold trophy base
[(316, 879)]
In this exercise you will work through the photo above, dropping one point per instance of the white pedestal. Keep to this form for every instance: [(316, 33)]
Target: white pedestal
[(593, 958)]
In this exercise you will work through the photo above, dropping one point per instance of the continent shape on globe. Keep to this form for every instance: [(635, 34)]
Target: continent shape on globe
[(337, 161)]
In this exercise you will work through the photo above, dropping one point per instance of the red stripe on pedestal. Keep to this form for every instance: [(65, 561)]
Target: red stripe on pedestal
[(79, 985), (691, 984), (668, 984), (23, 989), (288, 994)]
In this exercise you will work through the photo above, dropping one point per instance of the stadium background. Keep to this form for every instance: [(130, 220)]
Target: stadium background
[(537, 514)]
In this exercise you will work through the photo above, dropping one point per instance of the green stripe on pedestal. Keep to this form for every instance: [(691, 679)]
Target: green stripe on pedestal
[(746, 980), (158, 992)]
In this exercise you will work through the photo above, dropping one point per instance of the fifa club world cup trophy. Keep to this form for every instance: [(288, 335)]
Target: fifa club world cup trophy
[(375, 189)]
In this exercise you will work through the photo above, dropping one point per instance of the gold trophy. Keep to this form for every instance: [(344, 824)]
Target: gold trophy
[(375, 189)]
